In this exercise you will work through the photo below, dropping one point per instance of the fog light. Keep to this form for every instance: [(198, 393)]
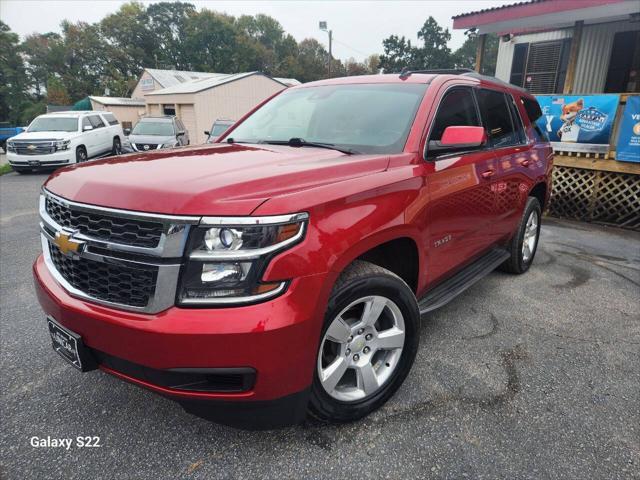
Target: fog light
[(219, 272)]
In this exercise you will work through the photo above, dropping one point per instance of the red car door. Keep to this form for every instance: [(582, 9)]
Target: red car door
[(460, 210)]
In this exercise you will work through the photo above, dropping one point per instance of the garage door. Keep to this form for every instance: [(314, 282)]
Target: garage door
[(188, 117)]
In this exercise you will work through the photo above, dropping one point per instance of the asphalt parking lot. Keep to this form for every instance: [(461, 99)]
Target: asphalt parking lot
[(536, 376)]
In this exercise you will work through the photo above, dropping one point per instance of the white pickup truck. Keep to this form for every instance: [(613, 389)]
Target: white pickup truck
[(63, 138)]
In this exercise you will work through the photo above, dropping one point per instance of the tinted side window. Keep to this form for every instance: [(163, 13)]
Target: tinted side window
[(96, 121), (457, 108), (110, 119), (497, 118), (516, 119), (86, 123)]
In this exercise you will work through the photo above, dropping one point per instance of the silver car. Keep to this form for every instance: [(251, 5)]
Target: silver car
[(154, 133)]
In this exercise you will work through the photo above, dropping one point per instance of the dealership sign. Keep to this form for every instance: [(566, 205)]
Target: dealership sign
[(578, 122), (628, 147)]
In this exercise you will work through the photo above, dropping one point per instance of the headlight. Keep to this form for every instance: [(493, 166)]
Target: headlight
[(62, 144), (227, 258), (11, 147)]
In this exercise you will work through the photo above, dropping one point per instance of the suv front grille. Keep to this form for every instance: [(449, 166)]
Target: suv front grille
[(125, 231), (33, 148), (149, 146), (107, 282)]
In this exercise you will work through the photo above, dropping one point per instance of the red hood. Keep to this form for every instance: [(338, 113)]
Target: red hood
[(208, 180)]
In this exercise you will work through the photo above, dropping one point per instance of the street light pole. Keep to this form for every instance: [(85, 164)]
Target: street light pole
[(323, 27)]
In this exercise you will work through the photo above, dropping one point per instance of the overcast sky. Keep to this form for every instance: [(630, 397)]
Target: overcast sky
[(358, 26)]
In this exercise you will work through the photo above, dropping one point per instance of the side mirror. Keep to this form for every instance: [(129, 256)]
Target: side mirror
[(127, 131), (86, 128), (181, 132), (206, 132), (458, 138)]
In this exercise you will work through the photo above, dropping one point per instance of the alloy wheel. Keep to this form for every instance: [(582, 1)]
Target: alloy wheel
[(361, 348), (530, 237)]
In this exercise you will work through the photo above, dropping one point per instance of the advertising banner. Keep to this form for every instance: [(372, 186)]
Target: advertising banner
[(578, 122), (628, 147)]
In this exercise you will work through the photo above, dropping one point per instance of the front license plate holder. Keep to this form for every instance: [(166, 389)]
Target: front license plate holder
[(69, 346)]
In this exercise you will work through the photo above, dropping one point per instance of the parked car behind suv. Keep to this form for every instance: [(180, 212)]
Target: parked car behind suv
[(6, 132), (154, 133), (283, 272), (63, 138), (217, 129)]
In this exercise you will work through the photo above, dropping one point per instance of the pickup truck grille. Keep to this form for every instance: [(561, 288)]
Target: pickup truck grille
[(108, 282), (104, 227)]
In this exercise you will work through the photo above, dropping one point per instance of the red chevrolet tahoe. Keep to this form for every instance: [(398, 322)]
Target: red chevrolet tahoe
[(282, 272)]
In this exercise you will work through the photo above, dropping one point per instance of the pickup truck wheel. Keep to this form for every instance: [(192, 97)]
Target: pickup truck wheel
[(81, 155), (117, 147), (368, 344), (524, 243)]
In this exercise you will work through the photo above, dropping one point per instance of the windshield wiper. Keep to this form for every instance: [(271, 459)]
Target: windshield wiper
[(300, 142)]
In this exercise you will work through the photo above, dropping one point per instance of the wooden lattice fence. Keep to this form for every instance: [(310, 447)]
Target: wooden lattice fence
[(596, 196)]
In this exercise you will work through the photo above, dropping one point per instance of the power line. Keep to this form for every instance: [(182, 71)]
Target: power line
[(351, 48)]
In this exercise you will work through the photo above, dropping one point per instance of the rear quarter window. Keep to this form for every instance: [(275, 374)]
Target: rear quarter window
[(110, 118)]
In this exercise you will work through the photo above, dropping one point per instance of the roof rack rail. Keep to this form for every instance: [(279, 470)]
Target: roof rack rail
[(406, 72)]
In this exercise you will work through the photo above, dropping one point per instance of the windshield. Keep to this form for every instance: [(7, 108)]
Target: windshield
[(164, 129), (367, 118), (218, 129), (54, 124)]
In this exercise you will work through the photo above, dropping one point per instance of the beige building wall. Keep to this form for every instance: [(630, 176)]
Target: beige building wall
[(126, 114), (199, 110), (146, 84), (231, 101)]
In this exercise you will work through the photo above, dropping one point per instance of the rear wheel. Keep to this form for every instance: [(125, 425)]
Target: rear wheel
[(524, 243), (117, 147), (81, 155), (368, 344)]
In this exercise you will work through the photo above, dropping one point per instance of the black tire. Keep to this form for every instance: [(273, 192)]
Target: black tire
[(362, 279), (516, 262), (3, 144), (116, 149), (81, 154)]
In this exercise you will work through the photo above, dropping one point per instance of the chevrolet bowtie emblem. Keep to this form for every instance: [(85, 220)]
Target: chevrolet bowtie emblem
[(66, 244), (31, 147)]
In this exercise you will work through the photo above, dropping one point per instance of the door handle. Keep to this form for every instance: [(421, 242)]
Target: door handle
[(525, 162), (488, 173)]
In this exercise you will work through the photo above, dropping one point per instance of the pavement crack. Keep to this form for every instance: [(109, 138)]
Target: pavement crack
[(491, 332)]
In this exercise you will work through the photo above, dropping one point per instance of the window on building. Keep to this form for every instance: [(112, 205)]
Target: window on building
[(169, 109), (540, 67), (624, 67)]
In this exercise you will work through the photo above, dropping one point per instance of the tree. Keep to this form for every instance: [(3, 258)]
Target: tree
[(168, 21), (434, 52), (465, 56), (45, 56), (56, 92), (13, 76), (398, 54)]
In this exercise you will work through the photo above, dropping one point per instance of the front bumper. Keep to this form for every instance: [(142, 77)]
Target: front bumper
[(277, 339), (64, 157)]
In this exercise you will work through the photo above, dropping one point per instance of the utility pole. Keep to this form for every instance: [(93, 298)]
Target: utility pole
[(323, 27)]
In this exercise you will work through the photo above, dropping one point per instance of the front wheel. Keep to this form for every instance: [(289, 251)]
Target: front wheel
[(368, 343), (524, 243), (81, 155)]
